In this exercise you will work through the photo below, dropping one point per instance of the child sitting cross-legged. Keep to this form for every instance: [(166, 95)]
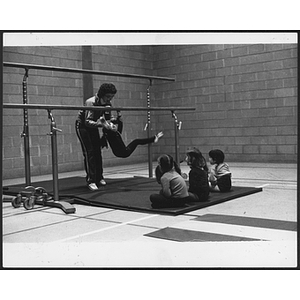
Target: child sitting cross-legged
[(198, 180), (174, 191), (219, 175)]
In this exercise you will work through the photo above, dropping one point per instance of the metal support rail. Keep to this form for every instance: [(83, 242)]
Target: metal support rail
[(75, 107), (84, 71)]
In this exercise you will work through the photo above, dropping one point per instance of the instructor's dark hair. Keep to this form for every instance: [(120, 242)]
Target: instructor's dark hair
[(217, 155), (106, 88)]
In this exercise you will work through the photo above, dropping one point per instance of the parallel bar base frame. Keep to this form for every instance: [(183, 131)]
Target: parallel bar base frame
[(65, 205)]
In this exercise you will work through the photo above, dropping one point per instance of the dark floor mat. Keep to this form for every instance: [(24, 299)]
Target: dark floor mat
[(184, 235), (127, 193), (249, 221)]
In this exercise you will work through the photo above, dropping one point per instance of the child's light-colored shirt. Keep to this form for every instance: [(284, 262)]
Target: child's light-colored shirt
[(220, 170), (220, 176), (173, 185)]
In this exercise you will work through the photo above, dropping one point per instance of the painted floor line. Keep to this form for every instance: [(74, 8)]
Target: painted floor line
[(292, 185), (262, 186), (264, 179), (102, 229), (276, 185)]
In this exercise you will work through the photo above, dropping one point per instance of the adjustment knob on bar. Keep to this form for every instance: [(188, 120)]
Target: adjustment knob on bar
[(179, 125), (56, 129)]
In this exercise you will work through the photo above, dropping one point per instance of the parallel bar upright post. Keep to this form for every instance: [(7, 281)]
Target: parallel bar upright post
[(150, 167), (25, 133), (176, 128), (54, 155)]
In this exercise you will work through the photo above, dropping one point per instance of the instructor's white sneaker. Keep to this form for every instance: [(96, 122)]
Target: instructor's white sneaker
[(93, 187), (102, 182)]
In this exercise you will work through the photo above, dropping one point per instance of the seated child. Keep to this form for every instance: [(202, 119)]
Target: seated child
[(174, 192), (198, 176), (219, 176)]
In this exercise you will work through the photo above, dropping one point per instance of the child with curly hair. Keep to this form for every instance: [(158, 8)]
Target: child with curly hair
[(198, 175), (87, 124)]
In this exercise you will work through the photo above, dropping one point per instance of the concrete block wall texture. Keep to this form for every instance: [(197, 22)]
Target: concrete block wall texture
[(245, 95), (245, 98), (61, 88), (44, 88)]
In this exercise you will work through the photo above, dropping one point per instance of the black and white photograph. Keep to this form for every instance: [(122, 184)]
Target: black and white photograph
[(149, 150)]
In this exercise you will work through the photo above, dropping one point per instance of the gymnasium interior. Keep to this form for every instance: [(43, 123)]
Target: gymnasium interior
[(237, 96)]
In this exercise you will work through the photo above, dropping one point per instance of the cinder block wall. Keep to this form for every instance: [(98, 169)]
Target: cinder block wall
[(61, 88), (44, 88), (245, 98), (245, 95)]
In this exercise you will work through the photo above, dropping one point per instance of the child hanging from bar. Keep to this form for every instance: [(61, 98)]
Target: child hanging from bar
[(112, 129)]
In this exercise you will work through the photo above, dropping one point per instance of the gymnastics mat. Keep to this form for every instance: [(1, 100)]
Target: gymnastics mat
[(127, 194)]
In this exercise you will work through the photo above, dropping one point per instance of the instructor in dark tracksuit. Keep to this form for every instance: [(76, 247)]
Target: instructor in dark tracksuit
[(87, 125)]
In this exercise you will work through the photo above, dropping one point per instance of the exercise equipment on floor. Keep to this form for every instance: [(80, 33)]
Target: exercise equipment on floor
[(31, 197)]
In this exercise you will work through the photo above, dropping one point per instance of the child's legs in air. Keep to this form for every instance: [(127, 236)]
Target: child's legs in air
[(118, 147), (116, 143), (132, 146)]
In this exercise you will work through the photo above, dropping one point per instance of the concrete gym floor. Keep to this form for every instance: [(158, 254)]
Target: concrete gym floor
[(96, 237)]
